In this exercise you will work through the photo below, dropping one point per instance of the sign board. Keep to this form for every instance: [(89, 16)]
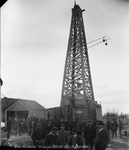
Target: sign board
[(79, 112)]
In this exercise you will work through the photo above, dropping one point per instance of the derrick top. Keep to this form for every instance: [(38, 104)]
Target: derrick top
[(77, 11), (77, 8)]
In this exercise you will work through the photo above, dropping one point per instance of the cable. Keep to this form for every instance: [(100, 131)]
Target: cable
[(95, 44), (104, 40), (97, 39)]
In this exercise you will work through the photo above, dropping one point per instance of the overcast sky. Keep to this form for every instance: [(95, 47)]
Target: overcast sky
[(34, 39)]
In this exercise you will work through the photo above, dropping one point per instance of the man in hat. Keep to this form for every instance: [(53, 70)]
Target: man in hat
[(63, 136), (90, 134), (52, 139), (108, 125), (120, 125), (9, 127), (114, 126), (75, 139), (102, 139), (37, 136)]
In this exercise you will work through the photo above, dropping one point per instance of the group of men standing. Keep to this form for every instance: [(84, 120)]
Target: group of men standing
[(16, 126), (61, 133), (93, 135), (113, 126)]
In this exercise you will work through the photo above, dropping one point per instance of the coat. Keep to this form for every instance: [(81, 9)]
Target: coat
[(37, 134), (16, 124), (51, 139), (108, 125), (89, 133), (63, 137), (9, 124), (102, 140), (47, 128), (114, 126), (76, 140)]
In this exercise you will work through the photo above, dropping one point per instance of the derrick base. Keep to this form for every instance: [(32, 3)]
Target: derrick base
[(80, 108)]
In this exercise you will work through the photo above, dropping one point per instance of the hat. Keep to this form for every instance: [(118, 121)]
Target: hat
[(54, 128), (62, 125), (101, 123), (89, 121), (74, 130), (38, 125)]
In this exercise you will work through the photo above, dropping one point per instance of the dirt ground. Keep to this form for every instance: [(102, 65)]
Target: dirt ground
[(17, 140), (26, 141), (119, 144)]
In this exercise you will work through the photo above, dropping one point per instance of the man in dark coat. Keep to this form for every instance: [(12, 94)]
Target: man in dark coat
[(9, 127), (75, 140), (48, 127), (15, 126), (37, 136), (63, 135), (21, 123), (114, 126), (52, 139), (102, 138), (108, 125), (120, 128), (89, 135)]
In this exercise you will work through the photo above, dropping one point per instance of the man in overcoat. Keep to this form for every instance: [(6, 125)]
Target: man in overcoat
[(75, 140), (102, 139), (37, 136), (52, 139), (108, 125), (120, 128), (63, 135), (114, 126), (90, 134), (9, 127)]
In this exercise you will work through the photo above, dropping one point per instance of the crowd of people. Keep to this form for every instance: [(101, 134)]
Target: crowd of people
[(113, 126), (55, 132)]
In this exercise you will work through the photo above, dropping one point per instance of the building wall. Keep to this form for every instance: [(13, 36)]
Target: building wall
[(92, 113), (51, 113), (40, 114), (81, 113), (99, 112)]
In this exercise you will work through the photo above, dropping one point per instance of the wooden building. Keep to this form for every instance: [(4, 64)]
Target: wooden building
[(20, 108)]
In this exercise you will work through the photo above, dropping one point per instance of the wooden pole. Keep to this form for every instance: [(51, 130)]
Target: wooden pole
[(1, 83), (0, 118)]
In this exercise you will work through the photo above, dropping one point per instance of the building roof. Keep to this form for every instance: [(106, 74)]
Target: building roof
[(32, 104), (8, 102)]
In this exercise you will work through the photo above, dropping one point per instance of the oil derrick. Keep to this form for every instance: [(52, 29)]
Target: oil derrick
[(77, 99)]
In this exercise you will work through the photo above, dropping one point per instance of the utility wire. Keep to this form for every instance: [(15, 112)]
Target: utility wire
[(95, 44), (97, 39), (104, 40)]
